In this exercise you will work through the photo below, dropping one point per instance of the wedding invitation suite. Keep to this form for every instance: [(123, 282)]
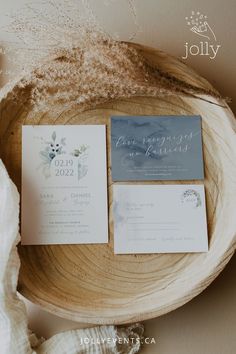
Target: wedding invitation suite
[(156, 148), (64, 185), (159, 219)]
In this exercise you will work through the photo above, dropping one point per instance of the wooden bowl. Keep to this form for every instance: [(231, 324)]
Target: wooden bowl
[(88, 283)]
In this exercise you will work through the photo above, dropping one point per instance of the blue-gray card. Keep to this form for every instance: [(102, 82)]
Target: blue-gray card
[(156, 148)]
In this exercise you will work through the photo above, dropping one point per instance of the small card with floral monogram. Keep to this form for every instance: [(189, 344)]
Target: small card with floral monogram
[(159, 218), (64, 185)]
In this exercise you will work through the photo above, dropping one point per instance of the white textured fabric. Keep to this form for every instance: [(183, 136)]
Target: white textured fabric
[(15, 338)]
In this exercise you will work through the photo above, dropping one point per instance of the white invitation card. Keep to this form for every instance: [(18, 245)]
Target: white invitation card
[(64, 185), (159, 219)]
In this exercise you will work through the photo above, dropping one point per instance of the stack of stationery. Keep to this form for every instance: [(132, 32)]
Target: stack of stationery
[(64, 185)]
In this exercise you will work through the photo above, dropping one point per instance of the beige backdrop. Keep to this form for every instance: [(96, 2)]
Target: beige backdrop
[(207, 324)]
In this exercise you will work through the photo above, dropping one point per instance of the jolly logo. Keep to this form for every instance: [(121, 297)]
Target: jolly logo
[(207, 46)]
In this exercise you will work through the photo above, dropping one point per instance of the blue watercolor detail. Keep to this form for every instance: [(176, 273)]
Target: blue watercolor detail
[(156, 148)]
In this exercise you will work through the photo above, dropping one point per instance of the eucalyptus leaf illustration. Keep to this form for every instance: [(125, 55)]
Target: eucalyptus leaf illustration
[(63, 141), (55, 148), (82, 170), (54, 135), (52, 149), (82, 154), (45, 156)]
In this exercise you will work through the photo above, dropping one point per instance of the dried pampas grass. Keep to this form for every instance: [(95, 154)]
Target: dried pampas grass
[(75, 64), (85, 76)]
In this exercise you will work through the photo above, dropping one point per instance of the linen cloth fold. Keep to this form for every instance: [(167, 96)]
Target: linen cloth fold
[(15, 337)]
